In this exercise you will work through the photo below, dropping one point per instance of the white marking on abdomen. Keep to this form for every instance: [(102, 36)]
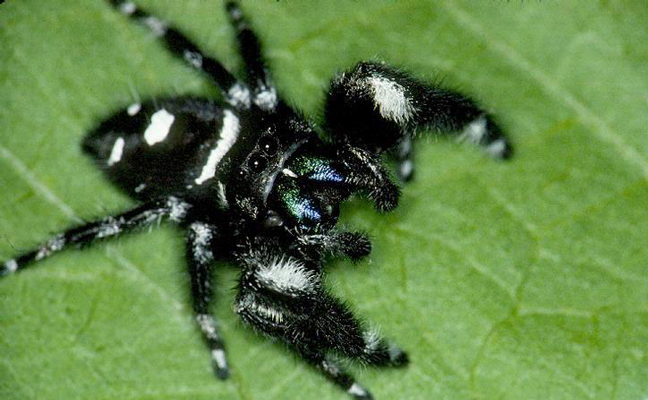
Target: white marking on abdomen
[(159, 128), (390, 99), (117, 151), (228, 135)]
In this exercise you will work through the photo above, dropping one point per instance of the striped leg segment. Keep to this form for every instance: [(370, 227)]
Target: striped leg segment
[(178, 44), (200, 256), (336, 374), (257, 74), (255, 69), (146, 214)]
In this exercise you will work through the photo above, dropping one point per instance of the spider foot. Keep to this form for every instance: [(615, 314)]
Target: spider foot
[(397, 357), (385, 197), (219, 363), (355, 245)]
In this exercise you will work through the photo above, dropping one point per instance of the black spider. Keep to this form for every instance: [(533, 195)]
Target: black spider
[(256, 184)]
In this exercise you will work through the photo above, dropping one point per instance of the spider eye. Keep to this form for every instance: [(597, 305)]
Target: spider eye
[(257, 163), (268, 145)]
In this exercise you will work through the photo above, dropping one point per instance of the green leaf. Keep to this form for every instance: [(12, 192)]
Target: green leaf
[(516, 280)]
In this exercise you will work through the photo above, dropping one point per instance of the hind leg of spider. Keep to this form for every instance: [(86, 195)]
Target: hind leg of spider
[(200, 256), (146, 214)]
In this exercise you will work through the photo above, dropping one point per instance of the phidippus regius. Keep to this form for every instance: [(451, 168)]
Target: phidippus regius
[(256, 184)]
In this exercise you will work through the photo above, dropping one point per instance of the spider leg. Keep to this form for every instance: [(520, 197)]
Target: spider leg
[(143, 215), (256, 71), (354, 245), (376, 107), (200, 240), (181, 46), (336, 374), (283, 298)]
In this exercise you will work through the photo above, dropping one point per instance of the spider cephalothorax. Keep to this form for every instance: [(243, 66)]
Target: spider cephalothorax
[(254, 183)]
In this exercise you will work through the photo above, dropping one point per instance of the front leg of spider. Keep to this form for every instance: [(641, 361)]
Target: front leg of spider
[(284, 297), (377, 108)]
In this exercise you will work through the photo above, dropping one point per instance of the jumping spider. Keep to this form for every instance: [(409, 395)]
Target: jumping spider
[(256, 184)]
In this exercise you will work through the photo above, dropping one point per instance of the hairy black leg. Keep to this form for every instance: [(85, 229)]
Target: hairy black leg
[(256, 71), (366, 172), (354, 245), (200, 258), (377, 107), (180, 46), (146, 214), (336, 374), (405, 168)]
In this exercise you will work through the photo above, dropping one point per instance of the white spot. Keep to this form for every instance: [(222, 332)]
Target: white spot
[(194, 58), (287, 274), (474, 132), (140, 187), (497, 148), (390, 99), (159, 128), (117, 151), (266, 99), (289, 172), (372, 340), (249, 303), (218, 356), (357, 390), (127, 8), (228, 135), (177, 209), (405, 168), (239, 96), (202, 238), (221, 195), (157, 26), (236, 13), (133, 109), (110, 227), (269, 312), (207, 326), (50, 247), (11, 266), (149, 216), (394, 353)]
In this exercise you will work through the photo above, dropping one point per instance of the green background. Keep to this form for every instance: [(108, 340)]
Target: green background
[(516, 280)]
